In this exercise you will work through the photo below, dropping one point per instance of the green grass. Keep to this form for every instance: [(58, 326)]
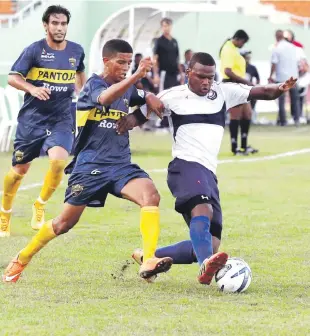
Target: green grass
[(78, 285)]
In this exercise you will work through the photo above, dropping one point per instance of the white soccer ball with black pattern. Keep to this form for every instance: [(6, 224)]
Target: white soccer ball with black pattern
[(234, 277)]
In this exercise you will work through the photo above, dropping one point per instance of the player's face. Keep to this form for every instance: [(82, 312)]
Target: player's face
[(188, 56), (200, 78), (166, 28), (56, 28), (117, 66), (240, 43)]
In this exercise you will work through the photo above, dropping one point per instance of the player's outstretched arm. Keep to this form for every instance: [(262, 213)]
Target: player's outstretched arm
[(271, 91), (115, 91), (19, 83)]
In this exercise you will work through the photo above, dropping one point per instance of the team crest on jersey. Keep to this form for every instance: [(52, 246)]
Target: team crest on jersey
[(212, 94), (72, 61), (76, 190), (19, 155), (126, 102)]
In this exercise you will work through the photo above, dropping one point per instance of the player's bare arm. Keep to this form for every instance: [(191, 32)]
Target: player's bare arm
[(19, 83), (79, 81), (137, 118), (116, 91), (271, 91)]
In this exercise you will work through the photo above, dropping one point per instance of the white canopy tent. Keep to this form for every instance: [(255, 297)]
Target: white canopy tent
[(139, 25)]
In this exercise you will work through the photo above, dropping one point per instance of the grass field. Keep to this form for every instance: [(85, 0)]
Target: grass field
[(83, 283)]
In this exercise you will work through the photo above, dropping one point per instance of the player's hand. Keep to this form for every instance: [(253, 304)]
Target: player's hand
[(271, 80), (288, 84), (41, 93), (126, 123), (154, 104), (145, 66)]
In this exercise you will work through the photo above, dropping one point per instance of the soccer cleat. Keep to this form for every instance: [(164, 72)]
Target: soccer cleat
[(37, 216), (210, 266), (137, 256), (13, 271), (154, 266), (5, 219), (241, 152), (251, 150)]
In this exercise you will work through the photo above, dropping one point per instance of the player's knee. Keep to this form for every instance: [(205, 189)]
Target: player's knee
[(21, 169), (150, 198), (62, 225), (204, 209), (57, 166)]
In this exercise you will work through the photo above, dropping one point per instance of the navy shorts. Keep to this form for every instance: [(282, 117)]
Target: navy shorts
[(92, 188), (192, 184), (29, 141)]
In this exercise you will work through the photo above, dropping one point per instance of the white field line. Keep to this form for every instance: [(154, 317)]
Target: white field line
[(163, 170), (256, 159)]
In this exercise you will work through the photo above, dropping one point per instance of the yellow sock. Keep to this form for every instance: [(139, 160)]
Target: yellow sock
[(52, 179), (45, 234), (12, 181), (149, 226)]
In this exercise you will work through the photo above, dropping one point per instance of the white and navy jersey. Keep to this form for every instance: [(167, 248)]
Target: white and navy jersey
[(198, 122)]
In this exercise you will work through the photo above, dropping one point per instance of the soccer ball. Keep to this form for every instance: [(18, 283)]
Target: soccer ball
[(234, 277)]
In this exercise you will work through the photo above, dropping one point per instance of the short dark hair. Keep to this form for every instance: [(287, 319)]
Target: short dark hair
[(138, 55), (55, 10), (241, 35), (201, 58), (166, 20), (115, 46), (188, 51)]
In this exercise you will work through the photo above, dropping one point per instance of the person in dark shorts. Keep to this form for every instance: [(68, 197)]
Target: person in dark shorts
[(197, 114), (48, 71), (102, 159)]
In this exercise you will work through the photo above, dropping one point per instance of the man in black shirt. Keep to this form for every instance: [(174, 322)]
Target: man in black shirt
[(251, 73), (166, 55)]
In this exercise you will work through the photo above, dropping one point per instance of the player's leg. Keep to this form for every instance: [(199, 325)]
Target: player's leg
[(49, 230), (27, 145), (235, 115), (11, 183), (58, 146), (245, 123), (143, 192)]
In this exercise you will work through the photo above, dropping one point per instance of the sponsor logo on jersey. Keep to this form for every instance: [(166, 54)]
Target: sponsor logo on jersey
[(72, 61), (47, 56), (126, 102), (52, 75)]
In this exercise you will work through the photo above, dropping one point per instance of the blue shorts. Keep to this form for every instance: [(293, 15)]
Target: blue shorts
[(29, 141), (192, 184), (92, 188)]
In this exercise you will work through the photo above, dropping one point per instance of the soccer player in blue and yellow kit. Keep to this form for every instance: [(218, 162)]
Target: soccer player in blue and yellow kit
[(102, 160), (48, 71)]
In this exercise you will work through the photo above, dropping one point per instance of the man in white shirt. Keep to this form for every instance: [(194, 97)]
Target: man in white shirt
[(197, 118), (284, 64)]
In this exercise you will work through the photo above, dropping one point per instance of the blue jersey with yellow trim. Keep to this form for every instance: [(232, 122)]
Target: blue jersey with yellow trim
[(97, 142), (54, 69)]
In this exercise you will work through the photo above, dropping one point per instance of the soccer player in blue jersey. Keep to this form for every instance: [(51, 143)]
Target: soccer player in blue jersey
[(48, 71), (102, 160)]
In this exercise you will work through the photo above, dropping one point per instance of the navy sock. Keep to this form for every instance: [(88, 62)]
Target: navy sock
[(181, 253), (201, 237)]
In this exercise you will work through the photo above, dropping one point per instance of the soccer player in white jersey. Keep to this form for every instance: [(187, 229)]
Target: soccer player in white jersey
[(197, 117)]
